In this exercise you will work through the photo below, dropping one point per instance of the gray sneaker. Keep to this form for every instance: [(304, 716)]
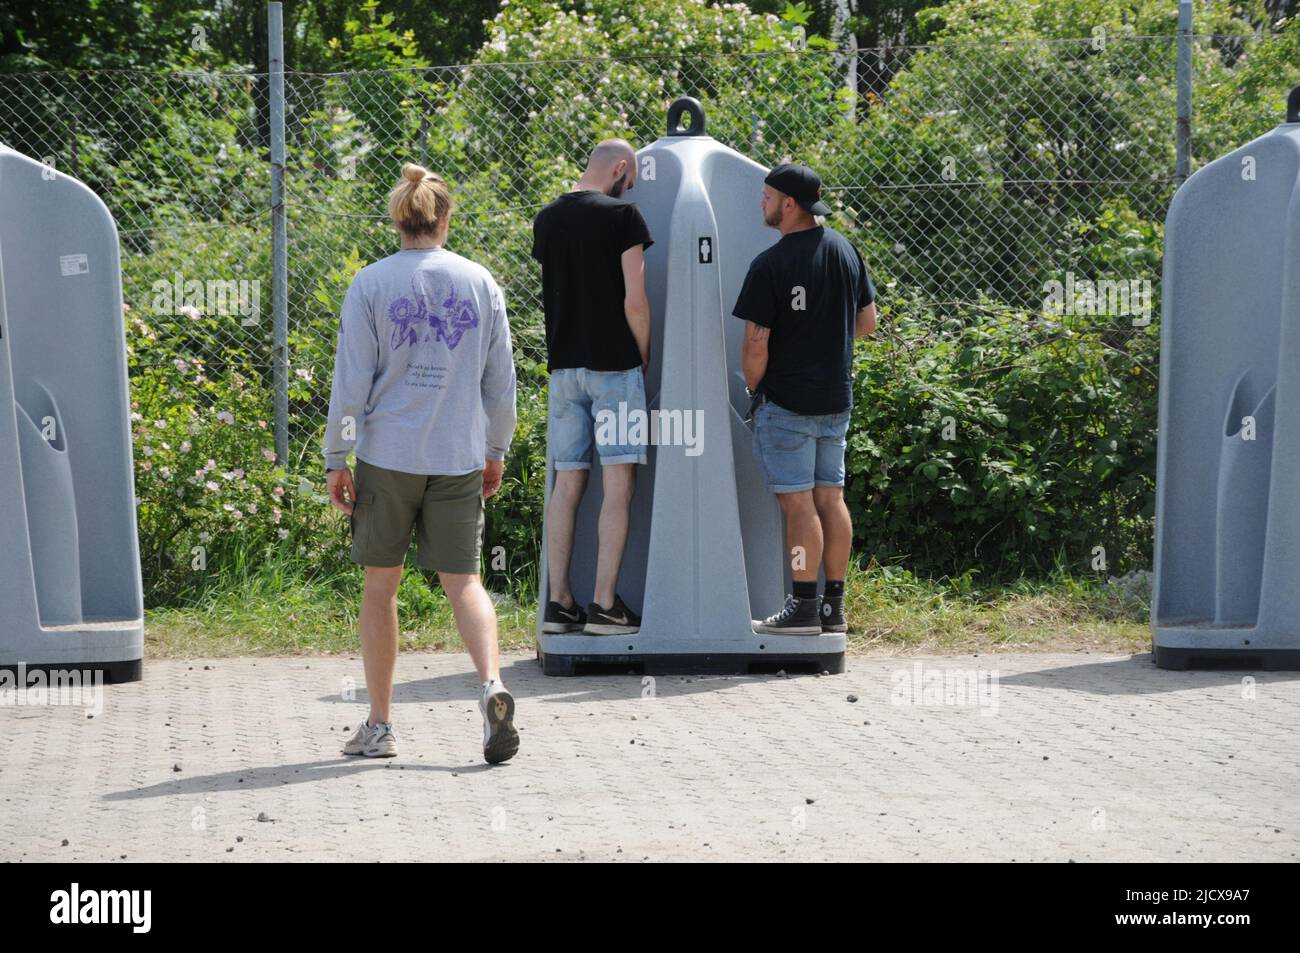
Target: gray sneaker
[(373, 742), (500, 739)]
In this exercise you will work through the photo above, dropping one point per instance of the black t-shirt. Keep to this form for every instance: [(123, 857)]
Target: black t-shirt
[(808, 288), (580, 239)]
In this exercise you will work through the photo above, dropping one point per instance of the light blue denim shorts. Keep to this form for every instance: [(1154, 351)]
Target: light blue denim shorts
[(588, 408), (799, 451)]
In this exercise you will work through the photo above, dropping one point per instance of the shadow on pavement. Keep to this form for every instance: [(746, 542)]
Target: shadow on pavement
[(274, 776), (1135, 675), (524, 678)]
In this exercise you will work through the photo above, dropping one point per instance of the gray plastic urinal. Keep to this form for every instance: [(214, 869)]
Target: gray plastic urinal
[(70, 588), (1227, 546), (705, 553)]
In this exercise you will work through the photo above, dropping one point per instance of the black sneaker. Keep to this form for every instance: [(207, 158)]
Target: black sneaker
[(797, 617), (618, 619), (560, 619), (832, 609)]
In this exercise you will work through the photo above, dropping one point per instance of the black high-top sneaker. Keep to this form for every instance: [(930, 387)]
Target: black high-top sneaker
[(832, 613), (559, 619), (797, 617)]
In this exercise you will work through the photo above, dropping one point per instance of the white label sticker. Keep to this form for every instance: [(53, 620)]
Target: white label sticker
[(73, 265)]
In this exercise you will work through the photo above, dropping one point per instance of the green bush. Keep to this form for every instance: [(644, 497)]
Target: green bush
[(1050, 451), (1004, 441)]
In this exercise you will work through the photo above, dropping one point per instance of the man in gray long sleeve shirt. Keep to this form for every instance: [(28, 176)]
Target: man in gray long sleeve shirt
[(423, 354), (424, 394)]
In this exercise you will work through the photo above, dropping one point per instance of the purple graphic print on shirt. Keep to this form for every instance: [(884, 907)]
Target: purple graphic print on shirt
[(461, 315), (447, 323), (406, 316)]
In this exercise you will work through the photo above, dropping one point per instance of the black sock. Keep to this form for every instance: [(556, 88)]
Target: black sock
[(834, 589), (805, 590)]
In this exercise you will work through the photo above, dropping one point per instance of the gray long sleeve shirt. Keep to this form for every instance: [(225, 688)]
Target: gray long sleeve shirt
[(424, 377)]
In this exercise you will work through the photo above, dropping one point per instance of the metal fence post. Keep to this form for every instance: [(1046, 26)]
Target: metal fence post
[(279, 233), (1183, 133)]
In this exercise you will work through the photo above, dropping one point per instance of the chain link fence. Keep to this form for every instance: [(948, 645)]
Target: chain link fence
[(971, 176), (959, 170), (964, 173)]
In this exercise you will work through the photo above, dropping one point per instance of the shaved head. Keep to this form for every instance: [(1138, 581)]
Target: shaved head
[(612, 167), (608, 153)]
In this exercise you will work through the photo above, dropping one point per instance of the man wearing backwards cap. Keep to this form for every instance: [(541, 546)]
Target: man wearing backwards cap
[(805, 301)]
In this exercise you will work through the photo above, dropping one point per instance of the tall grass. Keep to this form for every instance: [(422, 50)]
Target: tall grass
[(274, 606)]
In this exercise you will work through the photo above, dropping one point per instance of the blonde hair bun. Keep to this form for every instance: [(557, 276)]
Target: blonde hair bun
[(420, 202)]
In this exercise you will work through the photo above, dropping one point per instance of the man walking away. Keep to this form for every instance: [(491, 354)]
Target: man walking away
[(805, 300), (424, 392), (591, 244)]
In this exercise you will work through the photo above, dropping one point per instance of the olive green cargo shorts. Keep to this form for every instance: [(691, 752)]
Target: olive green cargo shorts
[(445, 511)]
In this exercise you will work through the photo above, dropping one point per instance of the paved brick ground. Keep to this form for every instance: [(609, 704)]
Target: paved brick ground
[(1075, 757)]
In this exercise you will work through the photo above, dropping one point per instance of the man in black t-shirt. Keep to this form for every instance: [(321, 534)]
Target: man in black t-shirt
[(805, 300), (591, 244)]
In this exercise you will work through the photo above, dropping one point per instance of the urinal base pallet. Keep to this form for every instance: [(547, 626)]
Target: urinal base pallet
[(113, 673), (718, 663), (1268, 660)]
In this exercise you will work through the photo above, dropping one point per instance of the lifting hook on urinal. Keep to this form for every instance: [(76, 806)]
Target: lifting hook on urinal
[(687, 104), (1292, 106)]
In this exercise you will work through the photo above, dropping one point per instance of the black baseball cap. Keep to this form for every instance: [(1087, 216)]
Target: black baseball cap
[(800, 183)]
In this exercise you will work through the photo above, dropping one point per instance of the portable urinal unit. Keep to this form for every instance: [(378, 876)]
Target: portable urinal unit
[(706, 552), (1227, 528), (70, 592)]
